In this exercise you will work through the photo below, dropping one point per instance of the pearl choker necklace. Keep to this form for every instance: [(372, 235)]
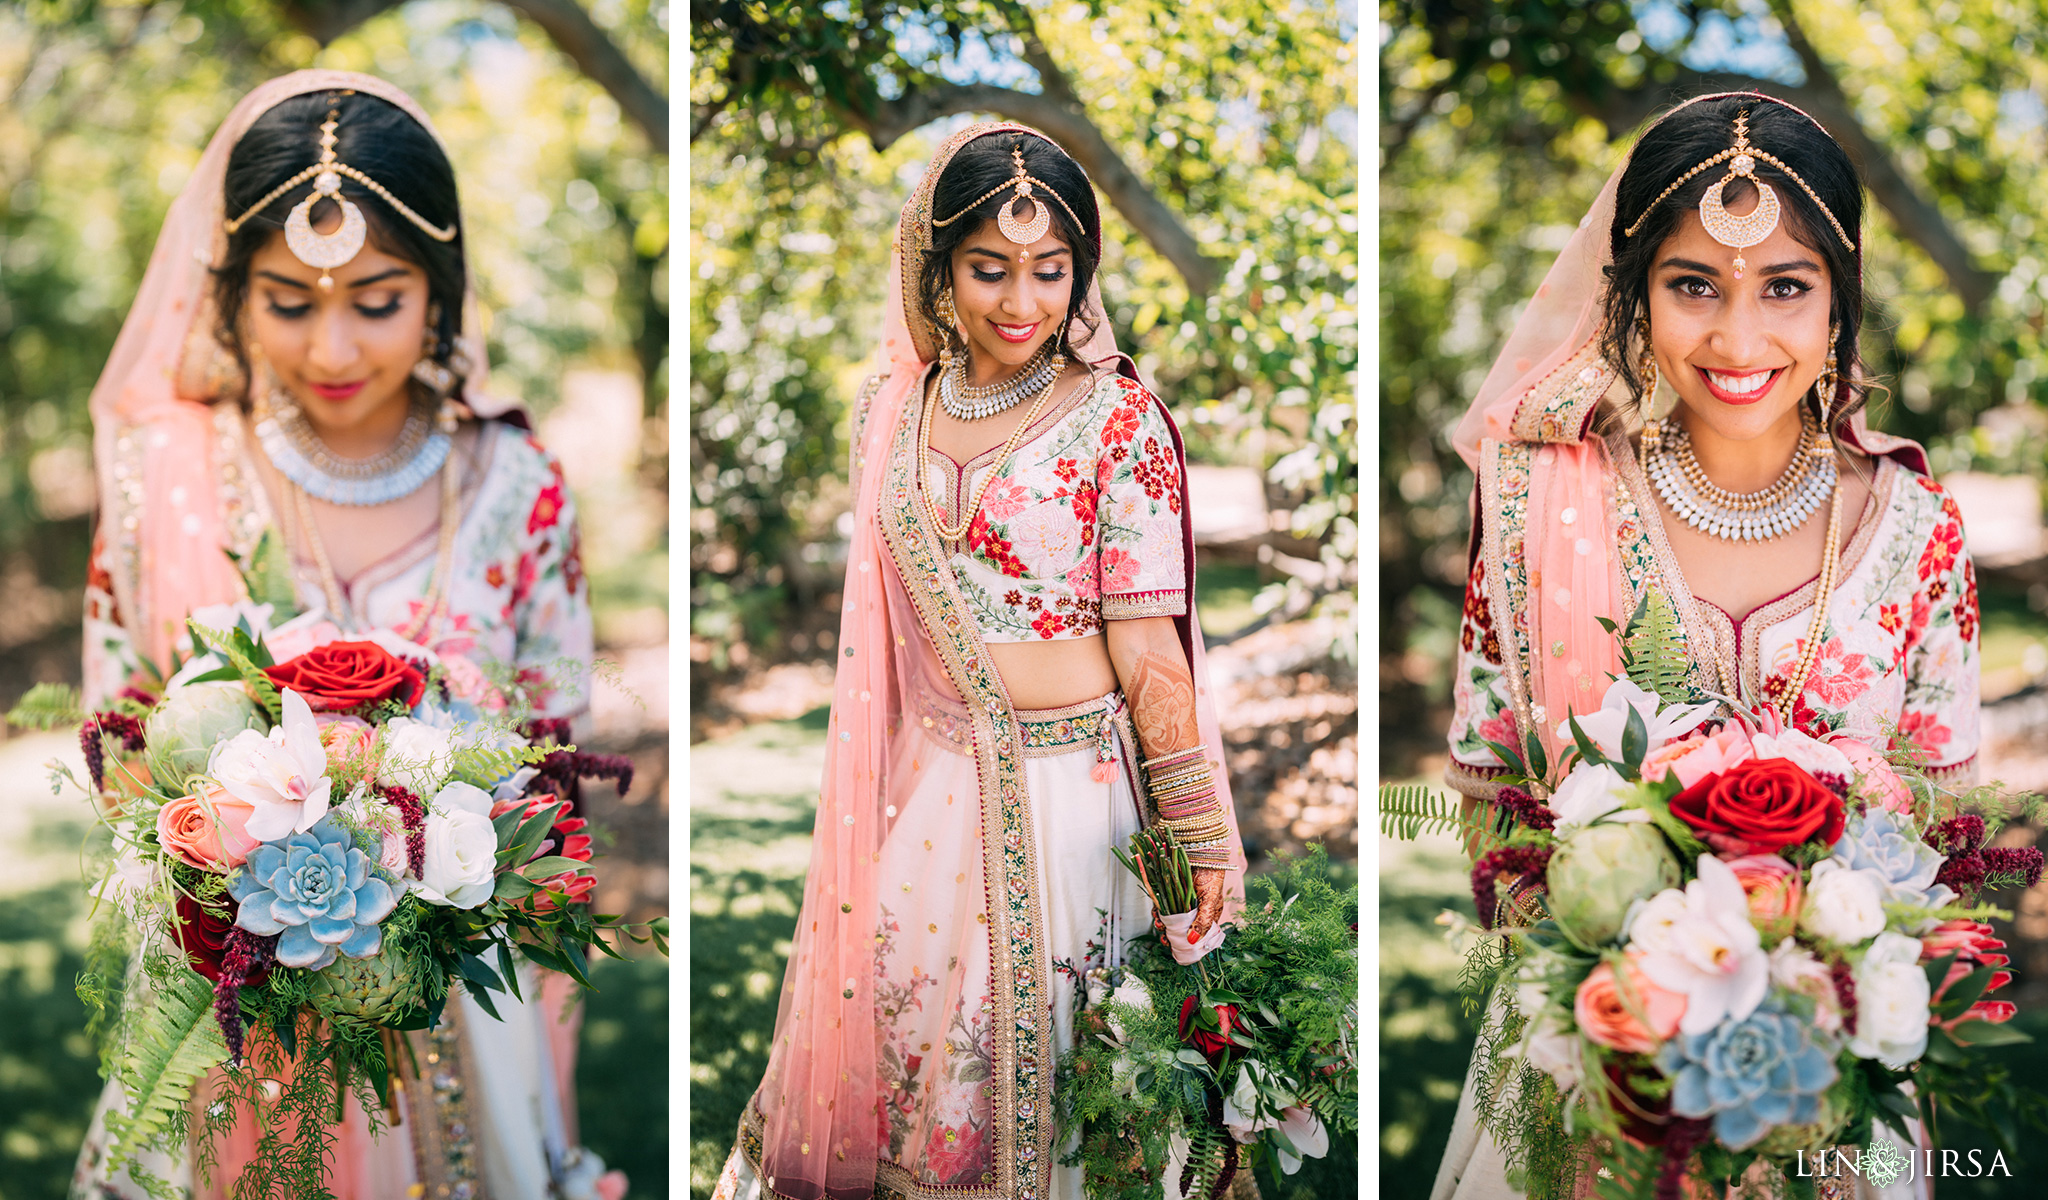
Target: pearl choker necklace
[(1777, 510), (965, 402), (300, 456)]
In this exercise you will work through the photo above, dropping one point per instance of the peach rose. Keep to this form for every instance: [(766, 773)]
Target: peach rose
[(1635, 1019), (1709, 756), (1876, 782), (1774, 891), (207, 830), (1657, 764), (345, 737)]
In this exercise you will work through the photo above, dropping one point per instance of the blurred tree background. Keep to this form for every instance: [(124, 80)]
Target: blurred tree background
[(1222, 137), (1499, 123), (559, 140)]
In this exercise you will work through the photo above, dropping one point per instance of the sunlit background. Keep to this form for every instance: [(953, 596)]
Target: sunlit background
[(810, 125), (104, 110), (1499, 123)]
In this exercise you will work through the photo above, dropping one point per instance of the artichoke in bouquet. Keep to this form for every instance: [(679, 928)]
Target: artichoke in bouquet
[(190, 721), (371, 991), (1599, 871)]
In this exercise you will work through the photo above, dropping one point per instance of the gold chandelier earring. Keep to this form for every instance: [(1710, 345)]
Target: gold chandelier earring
[(430, 370), (1828, 386), (948, 319), (1646, 399)]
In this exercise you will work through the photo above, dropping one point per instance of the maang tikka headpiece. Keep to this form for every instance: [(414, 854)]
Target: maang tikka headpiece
[(1017, 229), (1750, 229), (327, 251)]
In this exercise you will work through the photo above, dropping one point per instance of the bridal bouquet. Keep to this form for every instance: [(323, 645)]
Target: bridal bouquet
[(1182, 1074), (1719, 940), (313, 840)]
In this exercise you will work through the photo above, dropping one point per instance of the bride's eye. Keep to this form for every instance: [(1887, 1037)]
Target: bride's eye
[(1055, 277), (1691, 286), (290, 312), (988, 276), (1786, 288), (381, 310)]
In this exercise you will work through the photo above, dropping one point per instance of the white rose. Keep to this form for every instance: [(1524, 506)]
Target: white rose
[(461, 860), (1891, 1002), (1813, 757), (1555, 1052), (413, 755), (1842, 905), (461, 797), (1590, 793)]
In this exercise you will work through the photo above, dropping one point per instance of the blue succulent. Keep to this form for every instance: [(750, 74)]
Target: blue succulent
[(1881, 842), (1766, 1070), (318, 893)]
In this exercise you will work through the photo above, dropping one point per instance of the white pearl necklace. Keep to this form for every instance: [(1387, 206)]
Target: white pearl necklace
[(1761, 516)]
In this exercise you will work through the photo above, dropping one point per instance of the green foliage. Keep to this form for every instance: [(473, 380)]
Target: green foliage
[(243, 655), (176, 1041), (1243, 126), (1653, 651), (48, 706)]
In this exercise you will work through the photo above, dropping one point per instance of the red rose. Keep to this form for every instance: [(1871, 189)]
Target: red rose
[(203, 934), (1760, 807), (341, 675), (1211, 1044)]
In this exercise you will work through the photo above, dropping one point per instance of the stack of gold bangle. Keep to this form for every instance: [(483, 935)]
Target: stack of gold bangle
[(1183, 790)]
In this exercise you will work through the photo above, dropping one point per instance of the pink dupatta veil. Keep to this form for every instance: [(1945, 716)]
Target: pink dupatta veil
[(816, 1113)]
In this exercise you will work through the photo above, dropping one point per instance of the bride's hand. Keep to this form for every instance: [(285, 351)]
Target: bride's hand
[(1208, 901)]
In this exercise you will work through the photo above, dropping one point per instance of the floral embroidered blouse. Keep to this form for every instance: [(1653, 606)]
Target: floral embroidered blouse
[(1080, 526), (1899, 661), (518, 603)]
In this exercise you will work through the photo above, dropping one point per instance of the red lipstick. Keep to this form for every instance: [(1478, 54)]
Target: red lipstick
[(1005, 334), (1739, 398), (337, 392)]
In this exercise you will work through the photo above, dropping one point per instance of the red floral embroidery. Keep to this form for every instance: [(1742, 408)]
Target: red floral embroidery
[(572, 565), (993, 548), (1888, 618), (529, 573), (1924, 730), (1013, 598), (1049, 624), (1839, 678), (547, 509), (1121, 427), (495, 575), (1942, 548), (1966, 608), (1067, 470)]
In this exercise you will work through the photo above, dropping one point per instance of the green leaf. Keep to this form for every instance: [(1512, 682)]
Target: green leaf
[(1635, 742), (1942, 1048), (553, 864), (1937, 973), (1539, 761), (1587, 750), (177, 1043), (48, 706), (479, 972), (1975, 1033), (1653, 649), (1965, 991), (235, 648), (505, 970), (1507, 755), (1407, 811), (513, 886)]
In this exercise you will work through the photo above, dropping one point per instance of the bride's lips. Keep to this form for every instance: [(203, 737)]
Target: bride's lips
[(337, 391), (1009, 333), (1739, 398)]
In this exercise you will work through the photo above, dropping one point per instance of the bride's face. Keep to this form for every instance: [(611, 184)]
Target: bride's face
[(347, 354), (1740, 353), (1010, 298)]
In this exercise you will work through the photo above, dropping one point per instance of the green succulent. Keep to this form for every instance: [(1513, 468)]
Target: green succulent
[(369, 991)]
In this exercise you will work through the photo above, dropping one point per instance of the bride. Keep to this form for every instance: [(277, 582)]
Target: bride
[(299, 389), (1815, 564)]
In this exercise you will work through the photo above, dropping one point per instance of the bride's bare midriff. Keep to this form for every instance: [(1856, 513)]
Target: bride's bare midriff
[(1055, 674)]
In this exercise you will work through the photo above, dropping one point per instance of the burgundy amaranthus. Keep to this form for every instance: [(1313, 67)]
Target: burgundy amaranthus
[(565, 769), (1521, 866), (1685, 1135), (246, 954), (1527, 809), (1958, 835), (2023, 861), (414, 814), (1845, 993), (554, 729), (91, 739)]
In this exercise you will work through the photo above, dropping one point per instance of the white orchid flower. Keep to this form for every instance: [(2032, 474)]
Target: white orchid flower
[(1700, 942), (282, 773), (1605, 726)]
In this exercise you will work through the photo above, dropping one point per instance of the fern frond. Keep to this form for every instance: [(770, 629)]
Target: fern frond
[(483, 767), (1631, 1171), (1653, 649), (48, 706), (267, 577), (176, 1043), (234, 646), (1407, 811)]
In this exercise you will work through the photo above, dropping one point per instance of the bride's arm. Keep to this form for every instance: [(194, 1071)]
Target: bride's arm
[(1154, 672)]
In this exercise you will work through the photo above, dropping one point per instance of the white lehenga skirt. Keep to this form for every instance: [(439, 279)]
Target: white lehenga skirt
[(931, 882)]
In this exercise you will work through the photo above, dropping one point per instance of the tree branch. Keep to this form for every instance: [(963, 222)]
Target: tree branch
[(564, 21)]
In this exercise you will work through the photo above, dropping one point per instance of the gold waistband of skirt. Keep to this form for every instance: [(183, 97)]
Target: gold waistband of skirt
[(1047, 731)]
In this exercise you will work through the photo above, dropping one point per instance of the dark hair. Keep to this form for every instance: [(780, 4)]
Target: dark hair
[(980, 167), (377, 138), (1689, 136)]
